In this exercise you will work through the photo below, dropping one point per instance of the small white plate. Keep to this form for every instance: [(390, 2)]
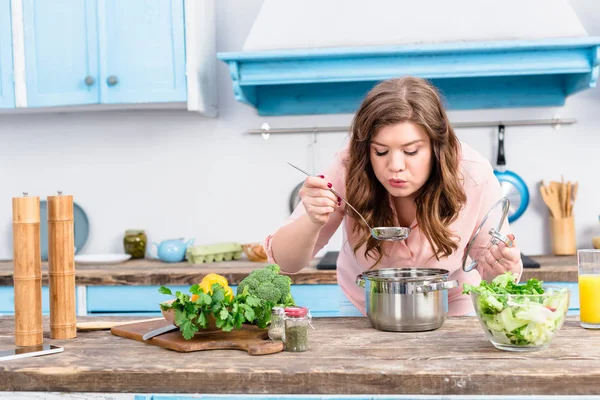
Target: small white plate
[(92, 259)]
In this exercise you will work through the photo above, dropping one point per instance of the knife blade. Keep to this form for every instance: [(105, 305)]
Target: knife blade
[(159, 331)]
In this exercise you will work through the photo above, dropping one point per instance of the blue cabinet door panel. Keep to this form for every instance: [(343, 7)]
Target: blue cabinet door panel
[(142, 43), (61, 51), (321, 300), (7, 87), (109, 299), (7, 300)]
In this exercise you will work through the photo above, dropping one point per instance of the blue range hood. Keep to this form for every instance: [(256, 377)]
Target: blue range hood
[(470, 75)]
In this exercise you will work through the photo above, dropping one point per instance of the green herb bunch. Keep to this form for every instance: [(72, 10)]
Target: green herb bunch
[(228, 312)]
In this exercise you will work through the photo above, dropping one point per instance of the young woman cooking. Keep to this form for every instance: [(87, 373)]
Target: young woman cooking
[(403, 166)]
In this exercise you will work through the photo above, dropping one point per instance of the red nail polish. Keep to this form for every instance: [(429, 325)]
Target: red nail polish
[(339, 199), (320, 176), (329, 185)]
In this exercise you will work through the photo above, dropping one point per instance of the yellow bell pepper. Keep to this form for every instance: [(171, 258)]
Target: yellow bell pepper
[(209, 280)]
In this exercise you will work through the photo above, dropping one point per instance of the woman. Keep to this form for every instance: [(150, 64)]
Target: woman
[(403, 166)]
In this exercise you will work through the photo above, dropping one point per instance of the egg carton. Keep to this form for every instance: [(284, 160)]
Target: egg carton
[(207, 253)]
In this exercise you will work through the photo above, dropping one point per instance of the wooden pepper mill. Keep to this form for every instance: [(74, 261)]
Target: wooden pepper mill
[(61, 267), (27, 274)]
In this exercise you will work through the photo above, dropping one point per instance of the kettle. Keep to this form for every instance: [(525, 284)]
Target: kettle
[(172, 250)]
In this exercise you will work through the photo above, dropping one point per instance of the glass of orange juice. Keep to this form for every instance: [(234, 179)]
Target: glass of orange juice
[(588, 266)]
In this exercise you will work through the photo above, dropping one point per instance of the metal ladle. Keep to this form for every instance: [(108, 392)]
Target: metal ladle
[(394, 233)]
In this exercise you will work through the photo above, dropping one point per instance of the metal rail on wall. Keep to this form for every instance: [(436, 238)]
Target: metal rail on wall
[(266, 130)]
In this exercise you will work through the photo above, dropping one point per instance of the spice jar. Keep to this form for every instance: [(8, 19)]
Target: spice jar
[(296, 321), (276, 328), (134, 243)]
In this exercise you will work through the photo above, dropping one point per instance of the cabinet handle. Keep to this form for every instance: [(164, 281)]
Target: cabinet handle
[(89, 80), (112, 80)]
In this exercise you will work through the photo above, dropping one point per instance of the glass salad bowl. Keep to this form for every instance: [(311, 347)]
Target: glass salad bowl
[(520, 321)]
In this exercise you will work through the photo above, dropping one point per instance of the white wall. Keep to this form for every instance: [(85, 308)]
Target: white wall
[(177, 174)]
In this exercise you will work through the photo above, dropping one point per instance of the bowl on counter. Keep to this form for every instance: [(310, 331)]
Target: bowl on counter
[(522, 322)]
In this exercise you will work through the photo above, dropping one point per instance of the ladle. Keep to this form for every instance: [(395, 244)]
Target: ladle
[(394, 233)]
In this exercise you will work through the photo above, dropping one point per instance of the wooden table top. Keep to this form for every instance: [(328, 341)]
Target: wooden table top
[(346, 356)]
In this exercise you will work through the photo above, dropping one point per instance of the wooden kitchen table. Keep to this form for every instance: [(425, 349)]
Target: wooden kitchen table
[(346, 357)]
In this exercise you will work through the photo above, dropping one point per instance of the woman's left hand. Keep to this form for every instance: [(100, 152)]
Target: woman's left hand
[(501, 258)]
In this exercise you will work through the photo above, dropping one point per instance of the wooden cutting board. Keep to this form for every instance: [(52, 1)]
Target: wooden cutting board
[(249, 338)]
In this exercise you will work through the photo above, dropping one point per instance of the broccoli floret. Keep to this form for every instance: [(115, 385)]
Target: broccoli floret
[(282, 283), (269, 292), (289, 300), (263, 275), (273, 267), (268, 285)]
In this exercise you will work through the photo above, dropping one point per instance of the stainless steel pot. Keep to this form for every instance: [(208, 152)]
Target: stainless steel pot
[(406, 299)]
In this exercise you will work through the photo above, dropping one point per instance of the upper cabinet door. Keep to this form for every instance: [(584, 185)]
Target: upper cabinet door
[(61, 52), (7, 86), (143, 51)]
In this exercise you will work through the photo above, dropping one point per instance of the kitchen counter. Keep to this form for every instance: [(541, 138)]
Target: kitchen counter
[(153, 272), (346, 356)]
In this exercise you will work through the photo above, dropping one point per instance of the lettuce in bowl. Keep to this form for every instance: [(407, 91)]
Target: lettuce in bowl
[(519, 317)]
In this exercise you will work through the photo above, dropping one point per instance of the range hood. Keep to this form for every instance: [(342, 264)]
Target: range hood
[(322, 56)]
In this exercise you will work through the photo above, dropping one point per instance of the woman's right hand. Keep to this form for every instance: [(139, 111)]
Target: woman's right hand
[(319, 202)]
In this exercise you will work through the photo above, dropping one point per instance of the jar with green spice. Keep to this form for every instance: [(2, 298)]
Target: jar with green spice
[(297, 321), (134, 243)]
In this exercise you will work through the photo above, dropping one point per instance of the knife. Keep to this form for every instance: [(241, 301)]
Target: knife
[(159, 331)]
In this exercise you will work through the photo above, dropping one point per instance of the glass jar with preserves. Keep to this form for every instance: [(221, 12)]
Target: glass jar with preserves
[(134, 243), (296, 321)]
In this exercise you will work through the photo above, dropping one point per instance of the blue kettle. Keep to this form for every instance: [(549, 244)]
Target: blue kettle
[(172, 250)]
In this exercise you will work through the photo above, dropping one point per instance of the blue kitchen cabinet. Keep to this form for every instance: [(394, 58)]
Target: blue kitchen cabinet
[(321, 300), (61, 52), (82, 52), (281, 397), (142, 51), (7, 86), (7, 300)]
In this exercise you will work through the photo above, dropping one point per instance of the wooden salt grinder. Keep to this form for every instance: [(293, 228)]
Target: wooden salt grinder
[(61, 267), (27, 274)]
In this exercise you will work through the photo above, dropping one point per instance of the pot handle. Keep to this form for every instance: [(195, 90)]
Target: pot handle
[(360, 280), (431, 287)]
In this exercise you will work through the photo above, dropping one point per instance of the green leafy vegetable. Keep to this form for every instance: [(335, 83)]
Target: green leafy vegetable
[(519, 314), (256, 295), (271, 288)]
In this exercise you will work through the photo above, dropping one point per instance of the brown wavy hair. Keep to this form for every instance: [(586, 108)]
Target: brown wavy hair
[(438, 202)]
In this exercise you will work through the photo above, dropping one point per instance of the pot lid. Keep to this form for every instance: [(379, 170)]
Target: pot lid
[(405, 274), (488, 233)]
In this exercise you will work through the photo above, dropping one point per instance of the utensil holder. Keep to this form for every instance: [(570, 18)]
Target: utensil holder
[(27, 274), (61, 267), (562, 233)]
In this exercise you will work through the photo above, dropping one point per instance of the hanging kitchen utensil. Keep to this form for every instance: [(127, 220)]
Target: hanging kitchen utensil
[(487, 234), (513, 187), (295, 196)]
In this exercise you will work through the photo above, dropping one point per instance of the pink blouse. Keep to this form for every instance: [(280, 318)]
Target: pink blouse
[(483, 191)]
